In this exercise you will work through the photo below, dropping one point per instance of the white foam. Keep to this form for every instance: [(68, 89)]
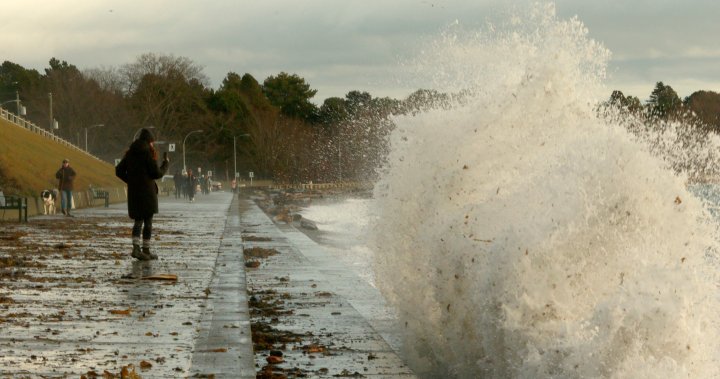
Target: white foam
[(519, 235), (343, 224)]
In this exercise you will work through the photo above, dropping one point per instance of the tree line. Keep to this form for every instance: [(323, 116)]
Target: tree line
[(694, 123), (701, 108), (278, 132)]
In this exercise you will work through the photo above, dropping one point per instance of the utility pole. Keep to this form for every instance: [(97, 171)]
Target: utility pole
[(52, 127)]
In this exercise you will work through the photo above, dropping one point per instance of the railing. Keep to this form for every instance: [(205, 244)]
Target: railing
[(23, 123)]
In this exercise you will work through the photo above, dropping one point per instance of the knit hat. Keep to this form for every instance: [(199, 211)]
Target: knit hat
[(146, 136)]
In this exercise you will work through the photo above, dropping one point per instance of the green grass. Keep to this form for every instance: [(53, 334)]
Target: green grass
[(28, 162)]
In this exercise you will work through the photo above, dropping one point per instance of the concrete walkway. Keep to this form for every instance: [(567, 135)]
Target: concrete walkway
[(332, 322), (72, 301)]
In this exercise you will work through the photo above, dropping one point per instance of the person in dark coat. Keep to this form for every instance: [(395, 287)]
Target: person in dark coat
[(178, 180), (191, 182), (66, 177), (139, 169)]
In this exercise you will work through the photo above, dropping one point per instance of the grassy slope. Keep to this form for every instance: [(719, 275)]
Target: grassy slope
[(28, 162)]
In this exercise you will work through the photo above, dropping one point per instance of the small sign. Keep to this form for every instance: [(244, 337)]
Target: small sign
[(237, 174), (199, 170), (209, 172), (251, 174), (171, 147), (117, 161)]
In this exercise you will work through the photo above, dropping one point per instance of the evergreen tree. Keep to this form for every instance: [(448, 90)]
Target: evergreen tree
[(664, 101), (292, 95)]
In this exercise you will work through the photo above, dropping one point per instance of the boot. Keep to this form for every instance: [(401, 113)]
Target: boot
[(138, 254), (146, 251)]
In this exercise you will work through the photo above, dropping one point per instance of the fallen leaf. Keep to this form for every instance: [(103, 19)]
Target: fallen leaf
[(145, 365), (123, 312), (314, 349), (128, 372), (161, 277), (274, 359)]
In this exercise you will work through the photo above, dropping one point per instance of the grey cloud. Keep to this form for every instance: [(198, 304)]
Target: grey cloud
[(352, 45)]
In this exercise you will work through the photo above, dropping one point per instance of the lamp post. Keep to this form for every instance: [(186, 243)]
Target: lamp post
[(86, 129), (235, 155), (185, 139), (20, 109), (53, 124)]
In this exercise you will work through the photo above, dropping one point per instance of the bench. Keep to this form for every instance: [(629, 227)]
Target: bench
[(15, 202), (98, 193)]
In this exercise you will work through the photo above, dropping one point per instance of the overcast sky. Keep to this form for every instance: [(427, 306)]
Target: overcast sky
[(343, 45)]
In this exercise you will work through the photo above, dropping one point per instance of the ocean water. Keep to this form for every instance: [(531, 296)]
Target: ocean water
[(521, 234), (343, 226)]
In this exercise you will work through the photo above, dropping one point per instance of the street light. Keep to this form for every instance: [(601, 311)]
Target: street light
[(53, 123), (86, 129), (185, 139), (235, 173), (20, 109)]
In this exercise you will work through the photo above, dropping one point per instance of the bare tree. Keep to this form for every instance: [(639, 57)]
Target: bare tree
[(160, 65)]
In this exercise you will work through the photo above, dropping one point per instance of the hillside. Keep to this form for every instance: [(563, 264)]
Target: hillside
[(28, 162)]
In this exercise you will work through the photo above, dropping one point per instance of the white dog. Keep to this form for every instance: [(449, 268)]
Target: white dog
[(49, 197)]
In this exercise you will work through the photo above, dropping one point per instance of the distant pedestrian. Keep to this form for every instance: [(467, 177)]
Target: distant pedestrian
[(139, 169), (66, 177), (233, 185), (178, 180), (205, 184), (191, 183)]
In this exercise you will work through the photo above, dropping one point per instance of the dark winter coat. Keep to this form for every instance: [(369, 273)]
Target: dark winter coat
[(139, 170), (66, 176), (191, 184)]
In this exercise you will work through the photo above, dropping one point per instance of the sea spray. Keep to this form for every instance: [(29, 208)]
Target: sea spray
[(519, 234), (343, 222)]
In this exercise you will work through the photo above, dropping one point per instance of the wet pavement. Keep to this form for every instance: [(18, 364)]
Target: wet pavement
[(73, 302)]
